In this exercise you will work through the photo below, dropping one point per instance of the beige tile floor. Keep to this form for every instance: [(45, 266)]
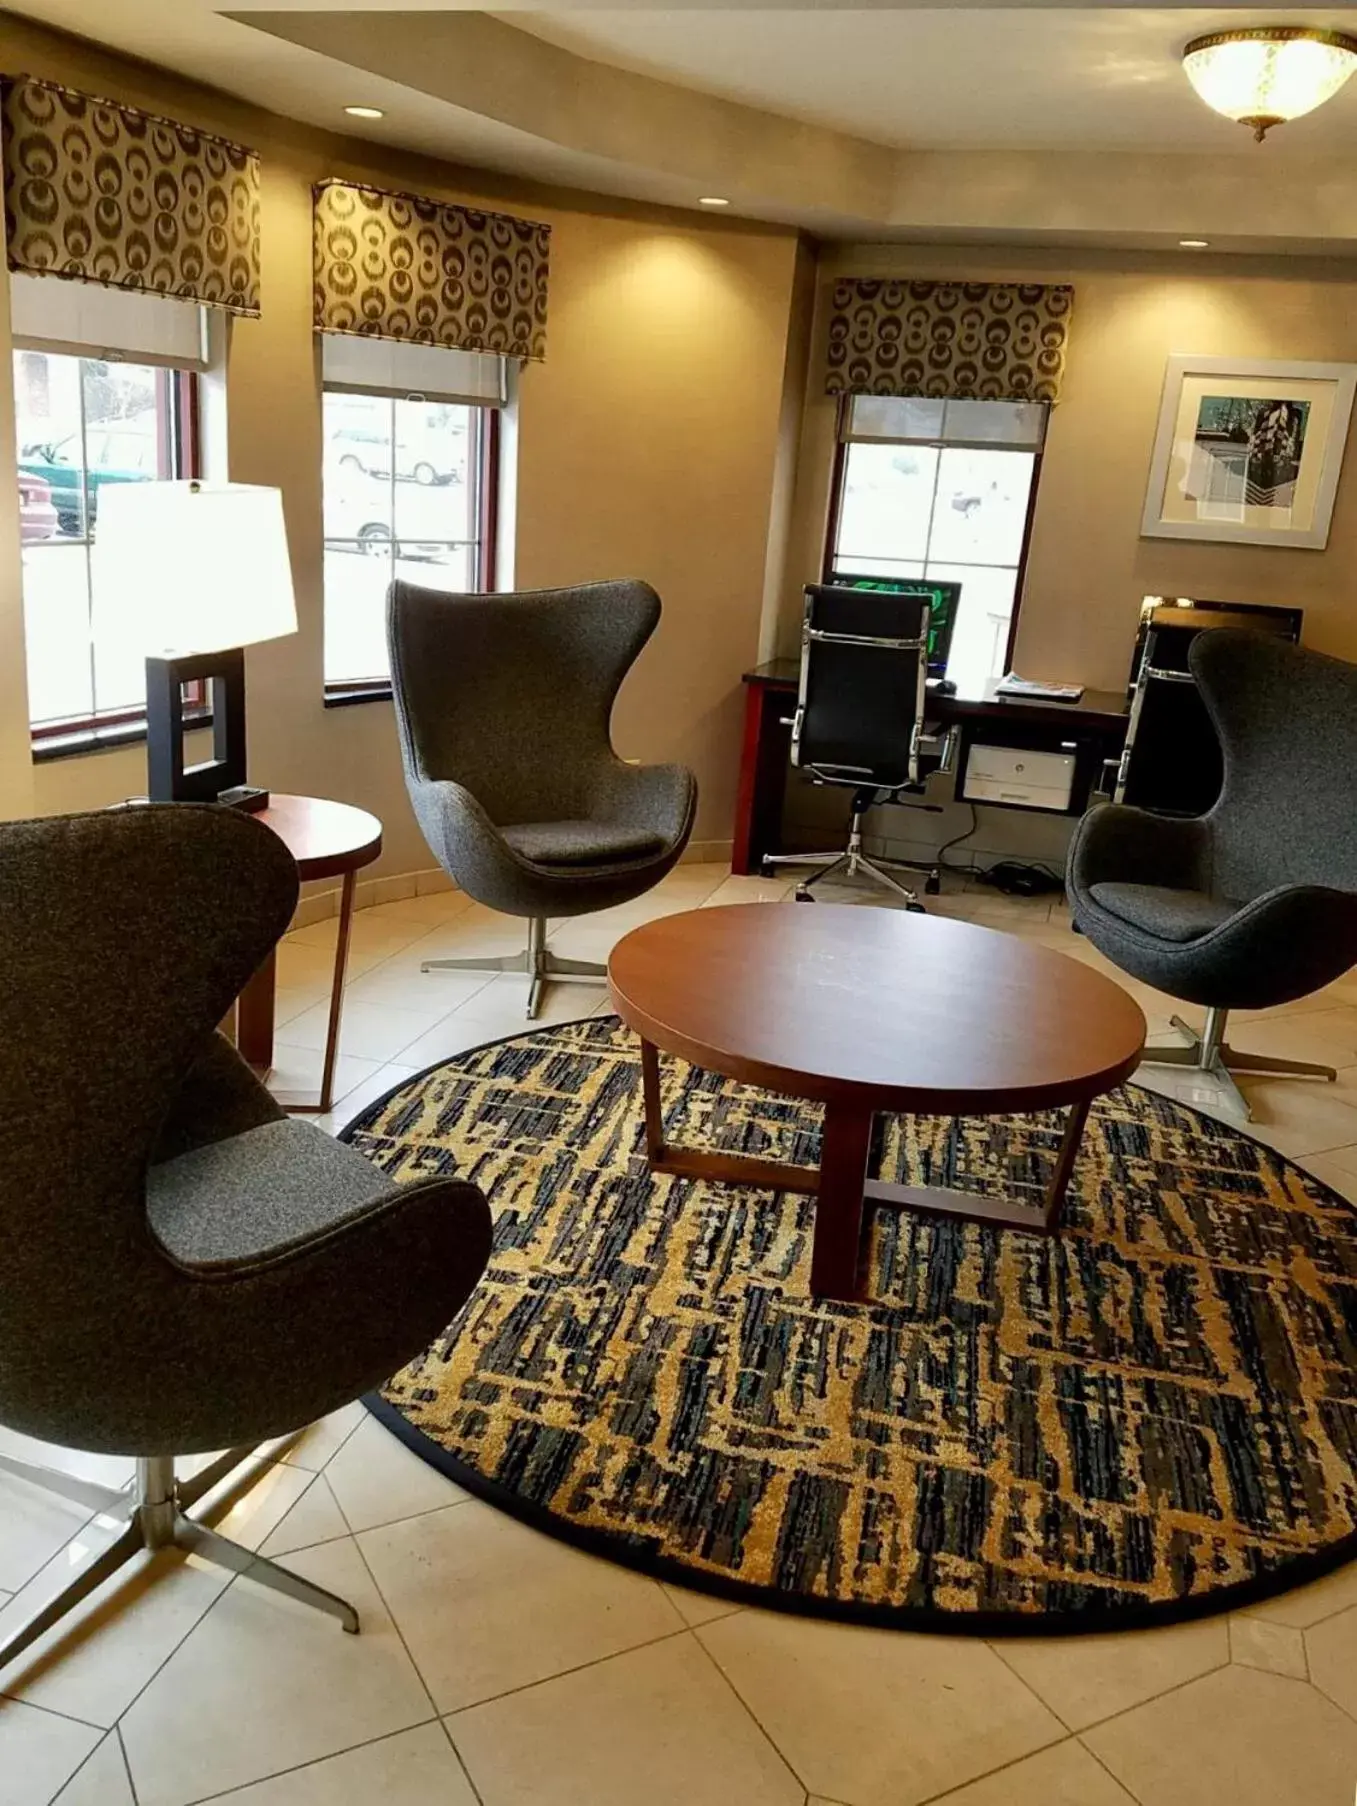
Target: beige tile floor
[(498, 1666)]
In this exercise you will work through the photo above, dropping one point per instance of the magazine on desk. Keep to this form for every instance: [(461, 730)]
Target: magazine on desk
[(1027, 689)]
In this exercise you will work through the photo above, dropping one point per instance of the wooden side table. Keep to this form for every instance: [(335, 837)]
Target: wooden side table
[(327, 840)]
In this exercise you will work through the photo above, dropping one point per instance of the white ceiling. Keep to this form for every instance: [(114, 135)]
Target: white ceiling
[(1095, 78), (958, 81)]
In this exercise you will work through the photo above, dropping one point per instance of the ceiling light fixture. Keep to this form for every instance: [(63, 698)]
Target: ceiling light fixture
[(1268, 74), (1195, 244), (365, 113), (712, 200)]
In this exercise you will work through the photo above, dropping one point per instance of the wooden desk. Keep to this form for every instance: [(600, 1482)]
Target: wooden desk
[(327, 840), (1096, 724)]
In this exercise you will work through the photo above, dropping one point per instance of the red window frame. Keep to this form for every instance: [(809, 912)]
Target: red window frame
[(485, 575)]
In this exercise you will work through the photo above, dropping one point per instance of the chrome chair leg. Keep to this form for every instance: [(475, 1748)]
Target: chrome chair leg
[(108, 1501), (541, 966), (852, 862), (1208, 1051), (198, 1539), (826, 871), (95, 1572), (157, 1507), (197, 1486), (884, 878), (772, 860), (1242, 1061)]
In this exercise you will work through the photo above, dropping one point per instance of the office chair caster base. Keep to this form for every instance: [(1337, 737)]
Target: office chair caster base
[(155, 1510), (537, 961), (853, 862), (1207, 1051), (849, 865)]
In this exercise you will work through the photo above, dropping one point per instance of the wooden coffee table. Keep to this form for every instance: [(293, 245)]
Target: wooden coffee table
[(868, 1010)]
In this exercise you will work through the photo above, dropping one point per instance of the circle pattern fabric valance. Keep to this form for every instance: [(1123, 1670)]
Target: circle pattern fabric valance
[(98, 192), (403, 266), (978, 341)]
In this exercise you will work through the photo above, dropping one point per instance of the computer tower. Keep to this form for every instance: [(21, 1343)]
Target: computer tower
[(1171, 762)]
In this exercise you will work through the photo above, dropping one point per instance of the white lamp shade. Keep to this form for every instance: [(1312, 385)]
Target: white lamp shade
[(182, 568)]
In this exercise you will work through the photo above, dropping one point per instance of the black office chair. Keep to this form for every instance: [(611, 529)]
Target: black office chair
[(861, 721)]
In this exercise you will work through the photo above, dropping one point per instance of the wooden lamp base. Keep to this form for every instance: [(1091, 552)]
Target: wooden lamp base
[(221, 778)]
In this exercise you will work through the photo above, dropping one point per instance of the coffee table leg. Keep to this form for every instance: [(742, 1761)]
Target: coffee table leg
[(650, 1087), (1064, 1165), (836, 1253)]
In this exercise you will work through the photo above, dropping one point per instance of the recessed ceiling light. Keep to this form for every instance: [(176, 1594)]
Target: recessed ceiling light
[(1195, 244), (365, 113), (713, 200)]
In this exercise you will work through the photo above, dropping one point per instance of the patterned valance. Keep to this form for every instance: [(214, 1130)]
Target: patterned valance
[(402, 266), (981, 341), (103, 193)]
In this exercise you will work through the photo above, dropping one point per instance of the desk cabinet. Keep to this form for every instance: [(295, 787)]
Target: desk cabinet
[(1091, 730)]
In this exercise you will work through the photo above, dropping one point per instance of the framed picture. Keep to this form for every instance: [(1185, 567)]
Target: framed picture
[(1248, 451)]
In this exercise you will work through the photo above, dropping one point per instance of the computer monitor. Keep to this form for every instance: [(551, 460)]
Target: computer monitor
[(944, 600)]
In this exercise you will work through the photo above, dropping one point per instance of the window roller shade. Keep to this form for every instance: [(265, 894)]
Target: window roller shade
[(83, 319), (395, 367)]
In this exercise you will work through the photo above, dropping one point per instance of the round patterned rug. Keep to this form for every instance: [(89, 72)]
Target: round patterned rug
[(1152, 1417)]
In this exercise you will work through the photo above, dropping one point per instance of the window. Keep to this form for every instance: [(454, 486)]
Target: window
[(410, 454), (81, 424), (942, 489)]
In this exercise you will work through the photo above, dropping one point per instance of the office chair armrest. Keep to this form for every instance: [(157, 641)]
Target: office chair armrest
[(1114, 843), (661, 797)]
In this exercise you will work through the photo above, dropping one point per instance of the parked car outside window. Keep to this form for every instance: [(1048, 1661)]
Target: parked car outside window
[(37, 515), (122, 453)]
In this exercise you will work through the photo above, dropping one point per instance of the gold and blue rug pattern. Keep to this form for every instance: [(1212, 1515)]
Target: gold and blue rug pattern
[(1153, 1415)]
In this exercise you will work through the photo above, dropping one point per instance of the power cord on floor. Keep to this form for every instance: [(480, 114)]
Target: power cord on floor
[(1015, 877), (956, 840)]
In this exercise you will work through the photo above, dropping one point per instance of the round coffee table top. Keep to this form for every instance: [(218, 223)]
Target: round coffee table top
[(921, 1012), (324, 838)]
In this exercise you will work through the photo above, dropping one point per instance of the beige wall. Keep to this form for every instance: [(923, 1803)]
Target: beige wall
[(1089, 566), (648, 446)]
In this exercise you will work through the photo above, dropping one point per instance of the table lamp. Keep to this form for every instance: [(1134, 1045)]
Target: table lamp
[(190, 574)]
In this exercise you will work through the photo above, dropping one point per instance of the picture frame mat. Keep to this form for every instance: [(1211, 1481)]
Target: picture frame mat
[(1322, 456)]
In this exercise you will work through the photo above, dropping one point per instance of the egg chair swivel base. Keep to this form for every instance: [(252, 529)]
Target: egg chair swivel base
[(542, 966), (1206, 1050), (155, 1510)]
